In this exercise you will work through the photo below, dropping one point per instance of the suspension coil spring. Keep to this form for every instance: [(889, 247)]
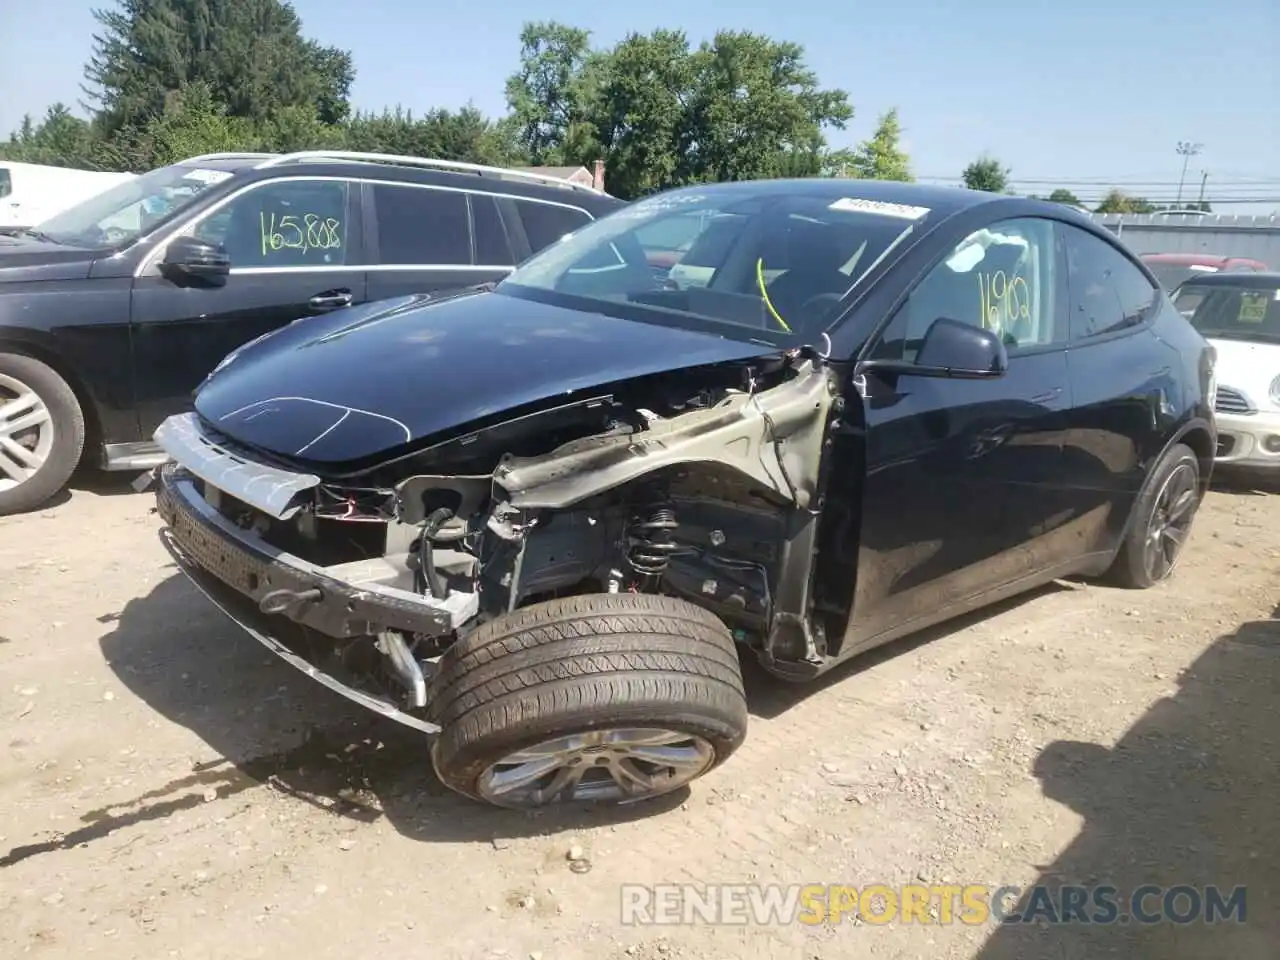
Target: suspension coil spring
[(651, 540)]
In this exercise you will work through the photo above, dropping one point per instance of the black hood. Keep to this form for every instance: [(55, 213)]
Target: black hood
[(24, 258), (378, 378)]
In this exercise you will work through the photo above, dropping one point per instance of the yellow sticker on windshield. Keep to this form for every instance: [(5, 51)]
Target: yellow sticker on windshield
[(1253, 308)]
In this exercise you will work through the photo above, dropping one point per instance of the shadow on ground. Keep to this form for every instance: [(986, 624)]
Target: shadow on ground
[(1189, 796), (99, 483), (769, 697), (1250, 483), (271, 726)]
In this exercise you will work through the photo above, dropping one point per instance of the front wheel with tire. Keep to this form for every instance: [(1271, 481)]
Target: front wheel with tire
[(41, 433), (1161, 521), (611, 698)]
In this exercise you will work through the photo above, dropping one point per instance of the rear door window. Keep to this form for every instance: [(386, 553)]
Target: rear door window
[(6, 182), (1108, 292), (421, 227)]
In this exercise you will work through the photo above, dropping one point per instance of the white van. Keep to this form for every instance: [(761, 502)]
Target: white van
[(31, 192)]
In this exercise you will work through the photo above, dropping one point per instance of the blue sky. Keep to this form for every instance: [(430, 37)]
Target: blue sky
[(1086, 91)]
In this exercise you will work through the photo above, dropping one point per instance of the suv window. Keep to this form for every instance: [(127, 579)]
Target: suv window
[(420, 226), (285, 223), (492, 246), (1108, 292), (546, 223), (6, 182), (1003, 277)]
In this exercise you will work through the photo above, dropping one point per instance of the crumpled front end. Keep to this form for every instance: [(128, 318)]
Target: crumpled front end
[(708, 492)]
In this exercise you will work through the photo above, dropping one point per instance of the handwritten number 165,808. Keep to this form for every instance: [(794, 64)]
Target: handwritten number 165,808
[(307, 232), (1004, 300)]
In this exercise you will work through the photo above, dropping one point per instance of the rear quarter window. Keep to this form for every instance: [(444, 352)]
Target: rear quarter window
[(6, 182), (546, 223)]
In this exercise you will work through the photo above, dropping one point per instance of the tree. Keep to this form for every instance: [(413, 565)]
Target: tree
[(248, 54), (547, 94), (739, 106), (193, 123), (754, 104), (60, 139), (986, 173), (1116, 201), (881, 158), (1062, 195), (639, 112), (466, 135)]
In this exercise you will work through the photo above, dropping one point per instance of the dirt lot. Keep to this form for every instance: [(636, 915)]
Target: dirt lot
[(167, 789)]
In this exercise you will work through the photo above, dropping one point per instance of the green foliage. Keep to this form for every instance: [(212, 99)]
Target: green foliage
[(1117, 201), (881, 157), (464, 135), (550, 91), (986, 173), (169, 79), (1062, 195), (60, 139), (193, 122), (662, 113), (250, 54)]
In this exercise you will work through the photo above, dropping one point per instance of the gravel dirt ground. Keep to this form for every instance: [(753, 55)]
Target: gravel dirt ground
[(168, 789)]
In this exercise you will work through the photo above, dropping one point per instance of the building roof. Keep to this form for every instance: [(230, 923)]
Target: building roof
[(563, 173)]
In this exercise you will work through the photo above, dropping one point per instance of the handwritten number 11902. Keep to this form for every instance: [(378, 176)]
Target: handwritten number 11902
[(290, 232)]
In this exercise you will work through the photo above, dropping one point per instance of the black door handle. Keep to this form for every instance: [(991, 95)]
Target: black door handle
[(331, 300)]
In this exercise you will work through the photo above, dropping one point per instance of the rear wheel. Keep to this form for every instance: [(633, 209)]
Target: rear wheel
[(611, 698), (41, 433), (1161, 521)]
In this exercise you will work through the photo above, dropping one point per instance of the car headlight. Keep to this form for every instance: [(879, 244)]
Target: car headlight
[(1274, 391)]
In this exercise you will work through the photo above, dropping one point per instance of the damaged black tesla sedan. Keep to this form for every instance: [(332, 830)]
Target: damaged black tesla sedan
[(789, 419)]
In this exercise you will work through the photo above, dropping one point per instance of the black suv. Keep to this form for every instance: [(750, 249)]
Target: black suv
[(113, 311)]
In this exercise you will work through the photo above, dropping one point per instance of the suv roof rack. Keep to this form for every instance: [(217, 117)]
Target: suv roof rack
[(303, 156), (236, 155)]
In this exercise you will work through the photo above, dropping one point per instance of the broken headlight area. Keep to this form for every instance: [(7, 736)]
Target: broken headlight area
[(697, 493)]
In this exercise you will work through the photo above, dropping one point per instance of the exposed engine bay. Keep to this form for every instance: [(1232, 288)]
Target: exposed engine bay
[(704, 487)]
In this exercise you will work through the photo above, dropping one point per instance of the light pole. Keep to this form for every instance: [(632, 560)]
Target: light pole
[(1186, 150)]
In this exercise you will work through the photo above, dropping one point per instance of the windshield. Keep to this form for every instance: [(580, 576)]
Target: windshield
[(1172, 274), (128, 210), (1231, 313), (760, 263)]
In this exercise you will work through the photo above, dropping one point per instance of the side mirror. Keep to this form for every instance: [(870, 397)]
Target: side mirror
[(951, 349), (190, 259)]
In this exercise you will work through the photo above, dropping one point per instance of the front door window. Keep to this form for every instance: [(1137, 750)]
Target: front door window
[(1002, 278), (287, 223)]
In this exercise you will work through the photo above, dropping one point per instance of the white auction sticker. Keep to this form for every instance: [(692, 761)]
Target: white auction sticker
[(901, 210), (203, 175)]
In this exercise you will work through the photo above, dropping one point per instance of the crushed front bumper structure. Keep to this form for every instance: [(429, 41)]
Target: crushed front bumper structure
[(278, 598)]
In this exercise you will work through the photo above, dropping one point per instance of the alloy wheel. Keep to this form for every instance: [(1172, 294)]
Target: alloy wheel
[(611, 765), (1170, 521), (26, 432)]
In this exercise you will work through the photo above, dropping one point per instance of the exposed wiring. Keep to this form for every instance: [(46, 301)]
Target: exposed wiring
[(777, 447), (764, 293)]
